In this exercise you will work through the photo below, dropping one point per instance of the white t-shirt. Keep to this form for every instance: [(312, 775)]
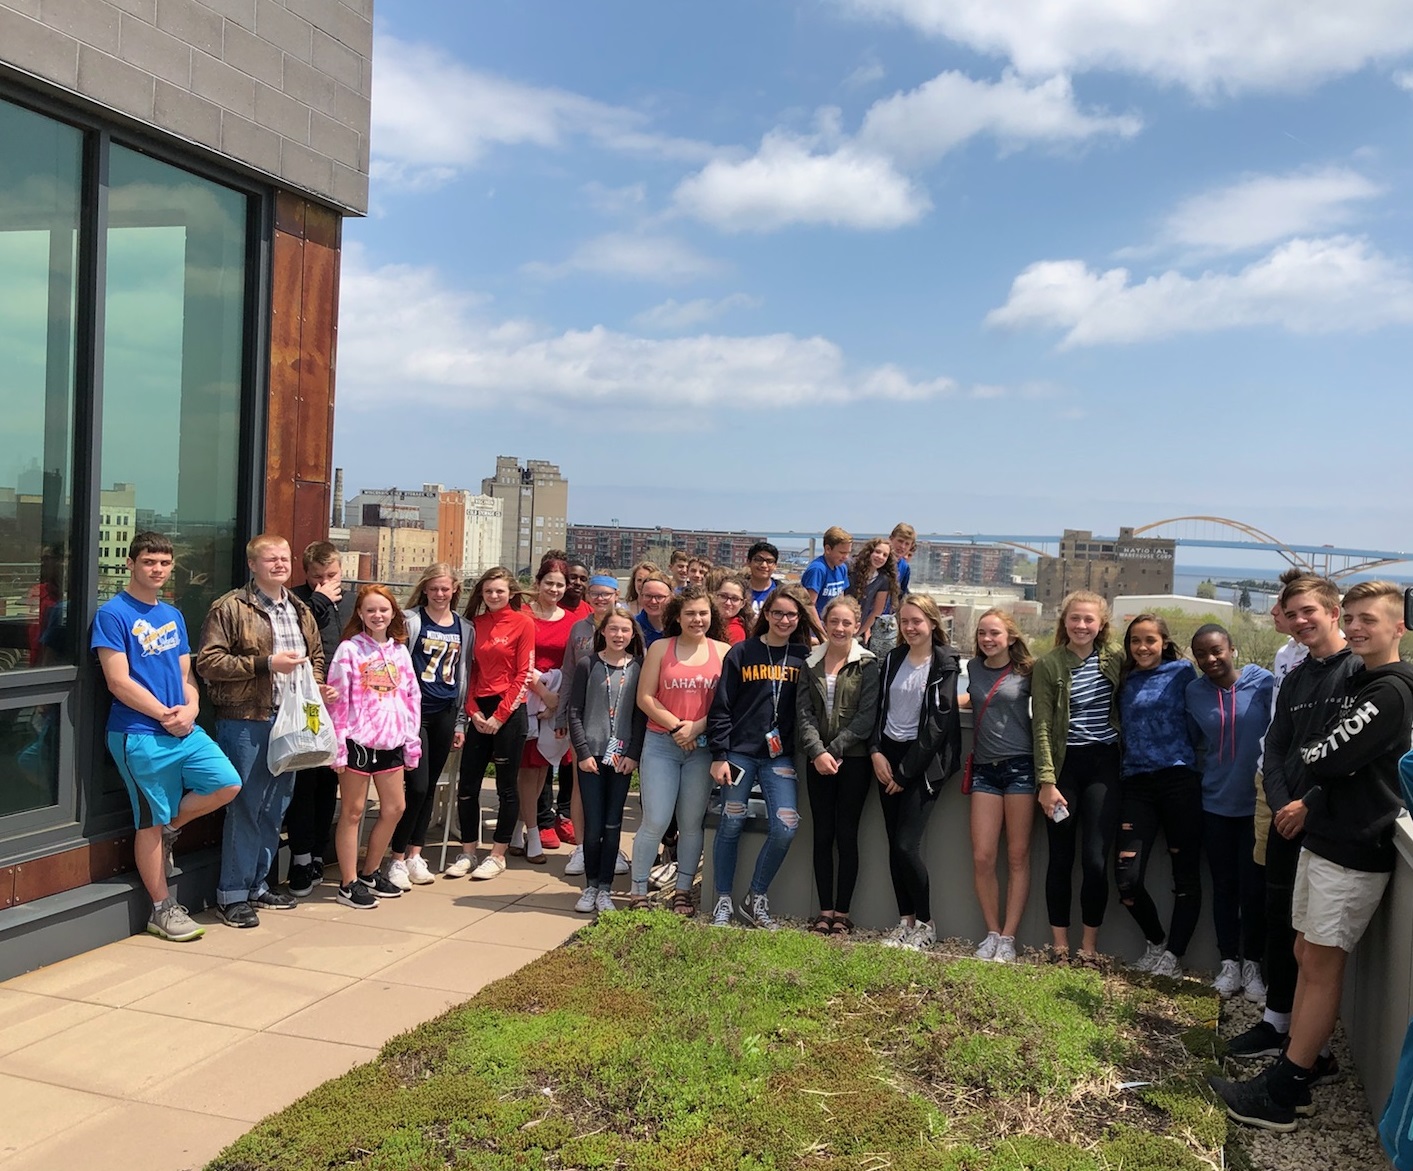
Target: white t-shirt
[(905, 695)]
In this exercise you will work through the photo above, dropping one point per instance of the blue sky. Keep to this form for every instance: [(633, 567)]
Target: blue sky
[(978, 266)]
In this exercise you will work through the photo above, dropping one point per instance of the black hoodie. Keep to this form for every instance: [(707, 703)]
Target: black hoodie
[(1352, 770), (1308, 701)]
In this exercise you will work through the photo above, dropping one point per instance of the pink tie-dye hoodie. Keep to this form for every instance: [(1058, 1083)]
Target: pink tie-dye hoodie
[(378, 703)]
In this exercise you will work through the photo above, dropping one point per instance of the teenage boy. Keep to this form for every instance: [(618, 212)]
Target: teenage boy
[(1350, 803), (677, 567), (576, 584), (1310, 697), (903, 538), (310, 817), (253, 639), (172, 770), (697, 570), (827, 576), (761, 560)]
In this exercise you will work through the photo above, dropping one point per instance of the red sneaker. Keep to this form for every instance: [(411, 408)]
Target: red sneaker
[(564, 828), (549, 839)]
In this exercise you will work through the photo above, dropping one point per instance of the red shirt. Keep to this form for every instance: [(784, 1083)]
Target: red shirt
[(735, 630), (505, 645)]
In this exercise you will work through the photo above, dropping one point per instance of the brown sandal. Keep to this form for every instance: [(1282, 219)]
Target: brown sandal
[(822, 926), (682, 904), (640, 903), (841, 927)]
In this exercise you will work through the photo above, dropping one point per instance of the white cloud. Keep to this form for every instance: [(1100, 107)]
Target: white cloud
[(922, 125), (616, 200), (867, 74), (1305, 286), (787, 182), (1204, 45), (405, 335), (671, 315), (433, 116), (1261, 209), (633, 256), (1404, 80)]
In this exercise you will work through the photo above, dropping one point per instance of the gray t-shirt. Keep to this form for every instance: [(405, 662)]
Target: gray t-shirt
[(905, 696), (878, 584), (1004, 729)]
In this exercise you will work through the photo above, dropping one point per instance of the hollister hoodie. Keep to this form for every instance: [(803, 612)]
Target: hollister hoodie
[(1309, 698)]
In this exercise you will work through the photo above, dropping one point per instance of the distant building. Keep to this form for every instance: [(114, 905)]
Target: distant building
[(1109, 567), (1127, 608), (618, 547), (962, 563), (536, 503), (470, 531), (426, 503), (395, 555), (116, 530)]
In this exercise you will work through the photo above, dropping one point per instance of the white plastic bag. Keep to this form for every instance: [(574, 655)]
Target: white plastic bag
[(303, 735)]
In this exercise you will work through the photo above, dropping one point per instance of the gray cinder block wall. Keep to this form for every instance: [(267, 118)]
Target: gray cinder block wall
[(280, 86)]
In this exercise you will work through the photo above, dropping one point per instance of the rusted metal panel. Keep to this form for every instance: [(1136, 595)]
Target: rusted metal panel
[(50, 875), (290, 213)]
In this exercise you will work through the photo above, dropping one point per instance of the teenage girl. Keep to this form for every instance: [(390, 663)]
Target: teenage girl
[(873, 580), (916, 745), (552, 626), (1075, 726), (440, 642), (606, 727), (1160, 789), (376, 708), (1002, 777), (1228, 711), (732, 592), (675, 690), (636, 576), (751, 733), (835, 705), (495, 703)]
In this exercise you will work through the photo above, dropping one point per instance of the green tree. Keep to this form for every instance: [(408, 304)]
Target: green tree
[(1244, 601), (1206, 589)]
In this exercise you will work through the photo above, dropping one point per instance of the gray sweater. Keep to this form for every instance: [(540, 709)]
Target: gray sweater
[(590, 728)]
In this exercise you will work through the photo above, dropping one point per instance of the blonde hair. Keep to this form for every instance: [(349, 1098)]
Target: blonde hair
[(1084, 598), (262, 541), (930, 612), (1391, 593), (1021, 658), (834, 535), (418, 596)]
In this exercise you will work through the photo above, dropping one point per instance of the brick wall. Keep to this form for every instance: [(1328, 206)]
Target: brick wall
[(281, 86)]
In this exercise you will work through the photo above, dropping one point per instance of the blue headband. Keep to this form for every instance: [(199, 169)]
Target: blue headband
[(603, 579)]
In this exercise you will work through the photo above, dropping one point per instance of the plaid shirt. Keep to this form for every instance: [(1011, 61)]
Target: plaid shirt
[(284, 623)]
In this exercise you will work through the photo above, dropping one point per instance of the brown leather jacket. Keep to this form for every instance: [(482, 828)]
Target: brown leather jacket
[(237, 640)]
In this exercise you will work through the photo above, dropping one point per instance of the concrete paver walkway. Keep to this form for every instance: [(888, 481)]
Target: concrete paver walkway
[(152, 1056)]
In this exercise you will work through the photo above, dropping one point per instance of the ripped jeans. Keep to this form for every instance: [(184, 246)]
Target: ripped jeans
[(1171, 800), (778, 784)]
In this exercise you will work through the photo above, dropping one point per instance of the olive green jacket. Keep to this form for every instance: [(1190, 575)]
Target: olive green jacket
[(1050, 704), (844, 731)]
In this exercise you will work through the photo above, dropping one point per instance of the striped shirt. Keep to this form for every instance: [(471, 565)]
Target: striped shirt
[(1091, 698)]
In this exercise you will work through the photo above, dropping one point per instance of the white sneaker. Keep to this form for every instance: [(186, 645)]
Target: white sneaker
[(575, 865), (397, 875), (418, 871), (899, 933), (588, 901), (1252, 986), (1005, 950), (721, 914), (461, 866), (1168, 965), (1151, 955), (1228, 981), (490, 867), (621, 866), (987, 950), (921, 937), (603, 901)]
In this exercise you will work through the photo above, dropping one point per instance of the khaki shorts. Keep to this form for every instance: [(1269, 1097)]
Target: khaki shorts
[(1263, 823), (1332, 905)]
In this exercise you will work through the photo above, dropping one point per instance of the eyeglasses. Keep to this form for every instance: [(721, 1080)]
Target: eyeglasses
[(762, 560), (783, 615), (730, 598), (655, 597)]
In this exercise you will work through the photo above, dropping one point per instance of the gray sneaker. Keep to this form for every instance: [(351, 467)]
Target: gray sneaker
[(169, 841), (170, 921), (756, 911), (722, 912)]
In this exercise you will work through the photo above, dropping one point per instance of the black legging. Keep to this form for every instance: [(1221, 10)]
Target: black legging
[(1170, 799), (437, 731), (1089, 783), (604, 794), (310, 815), (1282, 857), (504, 748), (1238, 886), (905, 817), (836, 805)]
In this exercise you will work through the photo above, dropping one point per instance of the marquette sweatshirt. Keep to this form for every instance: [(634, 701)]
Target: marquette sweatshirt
[(1352, 767), (1153, 712), (1227, 726), (377, 703), (1310, 697), (505, 652), (756, 693)]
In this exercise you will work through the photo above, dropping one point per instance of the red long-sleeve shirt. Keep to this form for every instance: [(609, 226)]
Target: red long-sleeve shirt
[(505, 648)]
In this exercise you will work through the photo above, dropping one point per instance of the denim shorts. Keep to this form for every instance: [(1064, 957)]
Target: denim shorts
[(1015, 775)]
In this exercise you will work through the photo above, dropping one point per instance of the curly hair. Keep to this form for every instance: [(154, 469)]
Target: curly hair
[(860, 571)]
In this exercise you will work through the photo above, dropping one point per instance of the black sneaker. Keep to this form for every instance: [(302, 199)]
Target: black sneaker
[(317, 866), (377, 883), (1251, 1103), (301, 880), (1326, 1072), (238, 915), (358, 896), (1262, 1039), (272, 900)]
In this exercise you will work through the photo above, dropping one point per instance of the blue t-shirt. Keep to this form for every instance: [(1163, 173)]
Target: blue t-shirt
[(650, 635), (905, 575), (435, 659), (758, 597), (153, 639), (827, 583)]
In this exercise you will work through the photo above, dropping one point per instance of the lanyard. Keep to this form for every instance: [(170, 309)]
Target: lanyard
[(777, 683), (614, 697)]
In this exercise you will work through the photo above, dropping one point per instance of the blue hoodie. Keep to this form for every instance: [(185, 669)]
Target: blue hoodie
[(1228, 725), (1153, 714)]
